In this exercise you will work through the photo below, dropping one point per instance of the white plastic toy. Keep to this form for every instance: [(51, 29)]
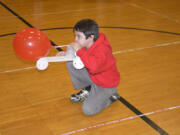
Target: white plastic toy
[(77, 63), (70, 55), (42, 63)]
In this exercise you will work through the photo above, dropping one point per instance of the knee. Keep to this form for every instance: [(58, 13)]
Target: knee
[(87, 110)]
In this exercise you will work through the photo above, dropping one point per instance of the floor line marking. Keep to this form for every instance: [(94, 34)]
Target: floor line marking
[(120, 120), (116, 52), (15, 70), (149, 47), (64, 12), (147, 120), (153, 12)]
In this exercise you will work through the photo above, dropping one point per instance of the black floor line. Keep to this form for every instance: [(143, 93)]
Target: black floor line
[(105, 27), (145, 118), (24, 21), (8, 34), (114, 27), (141, 29), (15, 14)]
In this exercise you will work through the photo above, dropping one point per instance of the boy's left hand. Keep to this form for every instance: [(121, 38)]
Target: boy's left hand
[(75, 46)]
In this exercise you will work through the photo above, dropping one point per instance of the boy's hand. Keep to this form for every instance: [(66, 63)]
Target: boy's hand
[(61, 53), (75, 46)]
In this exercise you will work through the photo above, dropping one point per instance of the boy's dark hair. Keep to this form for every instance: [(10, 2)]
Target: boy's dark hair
[(88, 27)]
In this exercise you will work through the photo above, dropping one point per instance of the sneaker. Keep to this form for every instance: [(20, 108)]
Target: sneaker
[(114, 97), (80, 96)]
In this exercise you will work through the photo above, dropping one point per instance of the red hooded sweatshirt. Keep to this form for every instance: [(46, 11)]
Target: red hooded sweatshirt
[(100, 63)]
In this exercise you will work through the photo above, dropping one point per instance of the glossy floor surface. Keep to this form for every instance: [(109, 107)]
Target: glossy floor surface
[(145, 37)]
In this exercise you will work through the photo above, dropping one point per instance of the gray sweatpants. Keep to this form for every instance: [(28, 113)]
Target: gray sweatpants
[(98, 98)]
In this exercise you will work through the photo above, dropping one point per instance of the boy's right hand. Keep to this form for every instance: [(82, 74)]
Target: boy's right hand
[(61, 53)]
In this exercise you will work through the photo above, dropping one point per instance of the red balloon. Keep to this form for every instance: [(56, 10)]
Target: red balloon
[(31, 44)]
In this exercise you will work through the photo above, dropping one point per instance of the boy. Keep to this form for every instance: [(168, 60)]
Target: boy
[(99, 78)]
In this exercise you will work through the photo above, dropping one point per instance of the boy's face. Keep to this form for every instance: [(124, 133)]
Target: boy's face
[(80, 38)]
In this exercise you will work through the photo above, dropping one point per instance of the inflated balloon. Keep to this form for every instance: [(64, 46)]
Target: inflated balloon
[(31, 44)]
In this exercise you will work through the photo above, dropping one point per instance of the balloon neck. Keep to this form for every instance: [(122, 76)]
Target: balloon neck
[(53, 47)]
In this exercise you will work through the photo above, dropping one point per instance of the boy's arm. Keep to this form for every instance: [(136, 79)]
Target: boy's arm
[(94, 63)]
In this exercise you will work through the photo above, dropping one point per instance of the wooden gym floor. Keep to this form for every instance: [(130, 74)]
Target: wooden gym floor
[(145, 36)]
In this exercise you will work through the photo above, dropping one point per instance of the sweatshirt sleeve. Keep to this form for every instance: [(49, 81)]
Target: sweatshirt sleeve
[(94, 62)]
